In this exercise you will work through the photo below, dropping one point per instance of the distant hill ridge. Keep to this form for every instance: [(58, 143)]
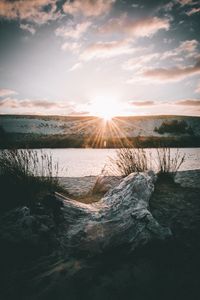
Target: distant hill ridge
[(80, 131), (67, 125)]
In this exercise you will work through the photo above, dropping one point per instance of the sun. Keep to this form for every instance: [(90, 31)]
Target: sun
[(105, 107), (107, 116)]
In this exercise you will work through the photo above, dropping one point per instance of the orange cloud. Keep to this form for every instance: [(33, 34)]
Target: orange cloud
[(140, 61), (185, 2), (198, 89), (73, 31), (142, 103), (15, 103), (189, 102), (193, 11), (7, 92), (30, 10), (34, 106), (88, 8), (172, 74), (107, 49), (139, 28)]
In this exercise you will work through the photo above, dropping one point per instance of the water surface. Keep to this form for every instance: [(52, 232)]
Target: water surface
[(86, 162)]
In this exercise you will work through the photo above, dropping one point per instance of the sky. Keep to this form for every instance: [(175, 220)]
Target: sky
[(88, 57)]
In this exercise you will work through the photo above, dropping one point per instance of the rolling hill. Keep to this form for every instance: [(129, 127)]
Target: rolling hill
[(72, 131)]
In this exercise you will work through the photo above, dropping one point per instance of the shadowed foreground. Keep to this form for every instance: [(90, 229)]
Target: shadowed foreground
[(159, 270)]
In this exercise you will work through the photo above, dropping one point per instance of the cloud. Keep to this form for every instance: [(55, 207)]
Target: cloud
[(7, 92), (28, 28), (73, 31), (142, 103), (73, 47), (169, 6), (193, 11), (185, 2), (89, 8), (30, 106), (145, 27), (32, 10), (188, 102), (76, 67), (107, 49), (138, 62), (197, 90), (27, 103), (79, 113), (188, 48), (172, 74)]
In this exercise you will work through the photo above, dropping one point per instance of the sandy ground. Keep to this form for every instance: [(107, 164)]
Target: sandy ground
[(190, 179), (78, 186)]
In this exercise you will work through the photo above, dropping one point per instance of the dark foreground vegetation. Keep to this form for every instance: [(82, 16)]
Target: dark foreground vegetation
[(34, 141), (26, 178), (157, 271), (39, 268)]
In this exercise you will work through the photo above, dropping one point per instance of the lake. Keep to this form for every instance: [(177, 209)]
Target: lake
[(86, 162)]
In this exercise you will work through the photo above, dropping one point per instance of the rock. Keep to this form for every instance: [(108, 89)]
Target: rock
[(50, 201), (120, 217), (27, 221), (44, 229), (19, 226)]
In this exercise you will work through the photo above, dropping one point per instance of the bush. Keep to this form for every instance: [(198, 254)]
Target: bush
[(168, 164), (174, 126), (26, 176), (129, 160)]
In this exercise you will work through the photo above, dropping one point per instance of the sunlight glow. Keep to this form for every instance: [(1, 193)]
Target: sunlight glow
[(105, 107)]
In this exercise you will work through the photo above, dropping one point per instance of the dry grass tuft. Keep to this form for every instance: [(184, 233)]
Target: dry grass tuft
[(129, 160), (25, 176), (169, 164)]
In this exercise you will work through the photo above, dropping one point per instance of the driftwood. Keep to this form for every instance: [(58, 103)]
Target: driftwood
[(120, 217)]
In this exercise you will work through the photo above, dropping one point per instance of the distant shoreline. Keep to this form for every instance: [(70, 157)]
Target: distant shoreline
[(28, 141)]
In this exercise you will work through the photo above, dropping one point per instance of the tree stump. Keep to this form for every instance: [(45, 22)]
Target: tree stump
[(120, 217)]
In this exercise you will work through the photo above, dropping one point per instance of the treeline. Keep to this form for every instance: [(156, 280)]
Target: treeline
[(174, 126), (32, 141)]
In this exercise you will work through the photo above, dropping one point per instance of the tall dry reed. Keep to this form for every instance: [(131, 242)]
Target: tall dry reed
[(25, 175), (129, 160), (167, 162)]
